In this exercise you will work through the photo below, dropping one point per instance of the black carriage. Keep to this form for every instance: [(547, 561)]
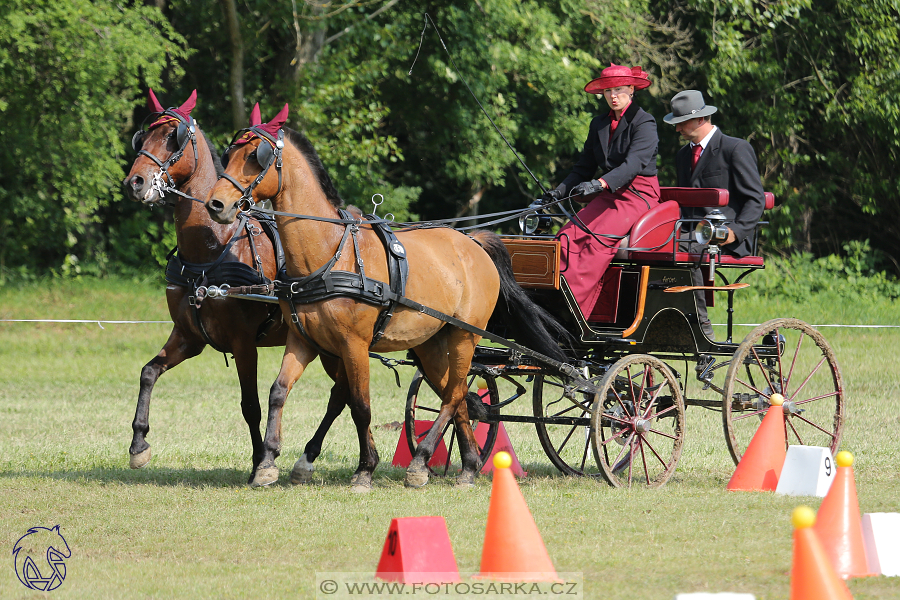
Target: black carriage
[(628, 425)]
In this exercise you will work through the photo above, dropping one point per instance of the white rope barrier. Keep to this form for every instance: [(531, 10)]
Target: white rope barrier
[(100, 322), (838, 325)]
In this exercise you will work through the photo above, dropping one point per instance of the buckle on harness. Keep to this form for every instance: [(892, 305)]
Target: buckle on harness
[(295, 287)]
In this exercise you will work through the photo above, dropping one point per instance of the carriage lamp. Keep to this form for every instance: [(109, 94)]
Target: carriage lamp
[(712, 229), (533, 223)]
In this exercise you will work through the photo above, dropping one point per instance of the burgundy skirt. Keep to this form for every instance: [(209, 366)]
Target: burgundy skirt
[(585, 258)]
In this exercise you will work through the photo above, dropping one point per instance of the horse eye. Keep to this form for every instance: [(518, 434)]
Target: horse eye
[(252, 156)]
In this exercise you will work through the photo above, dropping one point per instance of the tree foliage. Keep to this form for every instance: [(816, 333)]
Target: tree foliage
[(812, 85), (70, 74)]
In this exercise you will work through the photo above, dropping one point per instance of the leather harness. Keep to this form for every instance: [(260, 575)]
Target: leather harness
[(198, 276), (326, 283)]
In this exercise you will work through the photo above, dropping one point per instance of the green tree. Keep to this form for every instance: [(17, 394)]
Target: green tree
[(812, 85), (70, 73)]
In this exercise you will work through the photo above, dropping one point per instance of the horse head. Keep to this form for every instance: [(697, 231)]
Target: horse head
[(164, 157), (253, 165)]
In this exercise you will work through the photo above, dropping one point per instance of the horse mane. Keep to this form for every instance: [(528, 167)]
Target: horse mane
[(217, 162), (309, 153)]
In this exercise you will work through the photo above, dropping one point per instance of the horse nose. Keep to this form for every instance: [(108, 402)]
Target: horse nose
[(134, 185), (215, 206)]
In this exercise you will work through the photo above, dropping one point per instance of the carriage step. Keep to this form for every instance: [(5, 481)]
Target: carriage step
[(721, 288)]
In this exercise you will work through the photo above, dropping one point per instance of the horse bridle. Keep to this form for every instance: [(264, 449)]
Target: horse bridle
[(162, 181), (267, 154)]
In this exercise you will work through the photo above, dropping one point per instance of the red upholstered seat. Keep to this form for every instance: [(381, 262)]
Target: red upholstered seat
[(653, 236), (654, 230), (722, 259)]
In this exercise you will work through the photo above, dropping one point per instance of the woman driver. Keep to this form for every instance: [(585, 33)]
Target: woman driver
[(620, 151)]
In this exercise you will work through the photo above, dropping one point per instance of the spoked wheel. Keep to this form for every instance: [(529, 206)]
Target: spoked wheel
[(423, 404), (802, 368), (638, 423), (564, 426)]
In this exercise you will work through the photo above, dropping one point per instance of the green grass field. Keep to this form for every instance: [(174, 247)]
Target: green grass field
[(187, 526)]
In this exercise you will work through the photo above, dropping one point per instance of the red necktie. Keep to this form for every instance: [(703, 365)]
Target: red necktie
[(696, 149)]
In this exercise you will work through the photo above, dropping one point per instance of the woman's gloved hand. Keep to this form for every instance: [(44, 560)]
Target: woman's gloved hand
[(588, 187)]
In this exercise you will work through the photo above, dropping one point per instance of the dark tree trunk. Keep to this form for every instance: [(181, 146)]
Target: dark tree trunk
[(236, 81)]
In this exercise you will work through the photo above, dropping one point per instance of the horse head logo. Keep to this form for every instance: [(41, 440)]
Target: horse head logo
[(50, 550)]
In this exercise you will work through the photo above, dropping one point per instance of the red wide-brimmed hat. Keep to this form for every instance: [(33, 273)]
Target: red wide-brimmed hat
[(616, 75)]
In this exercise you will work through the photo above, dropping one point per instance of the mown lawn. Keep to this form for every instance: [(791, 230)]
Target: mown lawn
[(187, 526)]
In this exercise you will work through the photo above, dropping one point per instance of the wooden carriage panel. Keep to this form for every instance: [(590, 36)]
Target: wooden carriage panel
[(535, 263)]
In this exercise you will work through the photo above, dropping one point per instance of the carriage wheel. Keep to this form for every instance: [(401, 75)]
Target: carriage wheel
[(804, 371), (564, 425), (638, 422), (423, 404)]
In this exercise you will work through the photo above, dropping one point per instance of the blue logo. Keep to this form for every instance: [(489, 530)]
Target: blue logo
[(50, 549)]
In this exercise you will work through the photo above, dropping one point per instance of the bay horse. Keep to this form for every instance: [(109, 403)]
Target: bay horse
[(177, 165), (448, 271)]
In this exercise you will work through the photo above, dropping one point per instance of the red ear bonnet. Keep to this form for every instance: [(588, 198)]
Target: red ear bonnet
[(152, 103), (184, 110), (255, 118), (271, 127)]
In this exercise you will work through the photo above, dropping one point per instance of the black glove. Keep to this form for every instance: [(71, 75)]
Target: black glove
[(551, 196), (588, 187)]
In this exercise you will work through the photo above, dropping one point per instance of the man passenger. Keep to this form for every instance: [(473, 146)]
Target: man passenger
[(712, 159)]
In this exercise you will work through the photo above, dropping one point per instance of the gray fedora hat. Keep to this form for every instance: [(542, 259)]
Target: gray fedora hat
[(688, 104)]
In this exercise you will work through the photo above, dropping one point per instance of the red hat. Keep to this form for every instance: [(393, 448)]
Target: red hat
[(616, 75)]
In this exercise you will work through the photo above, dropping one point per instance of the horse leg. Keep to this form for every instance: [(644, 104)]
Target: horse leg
[(246, 362), (446, 359), (356, 365), (176, 350), (304, 468), (297, 355), (468, 447)]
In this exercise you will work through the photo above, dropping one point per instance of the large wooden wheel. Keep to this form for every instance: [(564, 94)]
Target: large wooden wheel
[(789, 357), (638, 423), (564, 425), (423, 404)]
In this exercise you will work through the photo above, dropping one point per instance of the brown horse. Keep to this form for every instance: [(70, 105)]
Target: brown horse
[(230, 325), (448, 271)]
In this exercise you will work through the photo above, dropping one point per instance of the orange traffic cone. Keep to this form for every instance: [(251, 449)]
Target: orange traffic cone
[(812, 576), (838, 523), (513, 549), (761, 465)]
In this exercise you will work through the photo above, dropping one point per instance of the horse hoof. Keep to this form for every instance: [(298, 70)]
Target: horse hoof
[(139, 460), (265, 477), (302, 471), (465, 483), (359, 488), (416, 479)]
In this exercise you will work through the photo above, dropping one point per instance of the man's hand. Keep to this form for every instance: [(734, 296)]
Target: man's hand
[(731, 237), (588, 187)]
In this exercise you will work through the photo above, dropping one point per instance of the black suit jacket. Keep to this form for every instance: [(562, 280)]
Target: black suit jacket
[(727, 163), (631, 152)]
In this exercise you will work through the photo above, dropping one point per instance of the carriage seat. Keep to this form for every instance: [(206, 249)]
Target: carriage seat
[(653, 236)]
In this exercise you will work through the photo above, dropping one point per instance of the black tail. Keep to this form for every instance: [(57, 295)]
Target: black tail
[(531, 325)]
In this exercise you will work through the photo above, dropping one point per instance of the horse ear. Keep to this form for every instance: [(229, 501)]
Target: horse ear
[(255, 118), (189, 104), (279, 119), (152, 103)]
